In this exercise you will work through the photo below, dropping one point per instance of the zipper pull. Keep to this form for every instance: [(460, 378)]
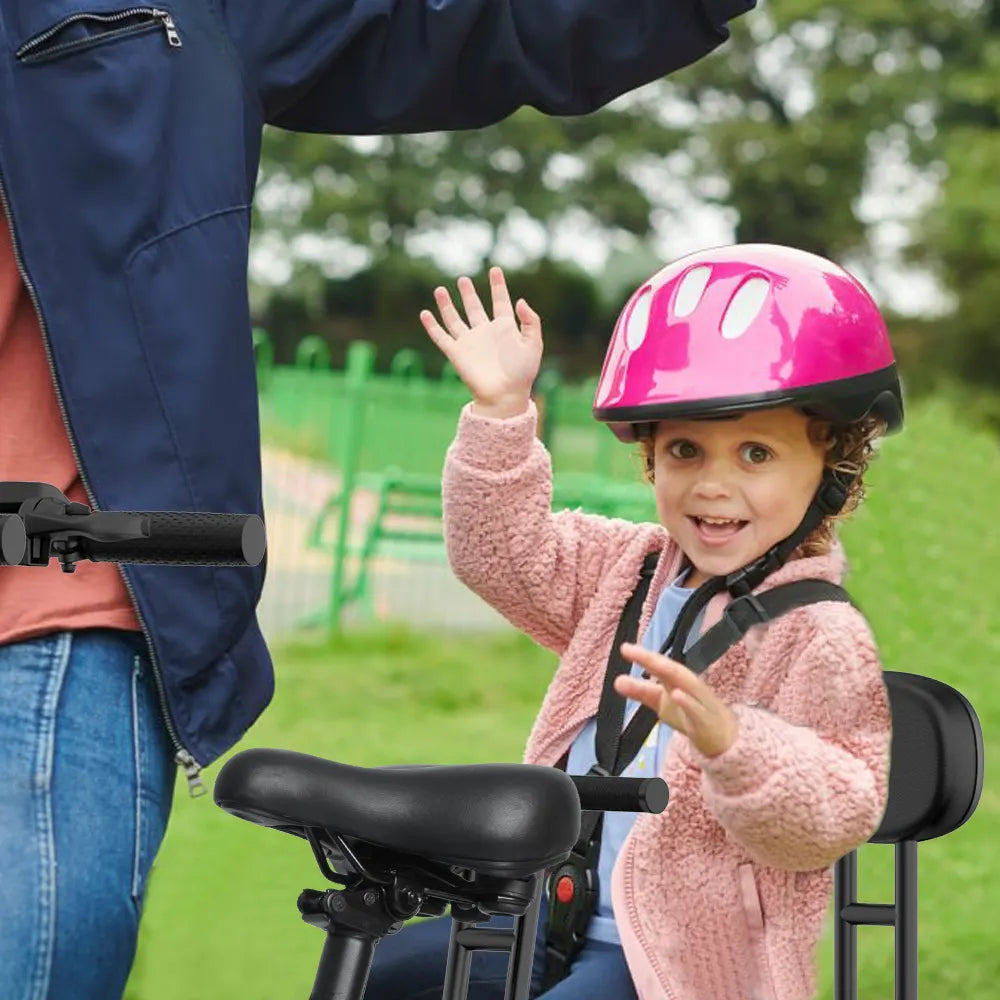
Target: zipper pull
[(192, 770), (171, 29)]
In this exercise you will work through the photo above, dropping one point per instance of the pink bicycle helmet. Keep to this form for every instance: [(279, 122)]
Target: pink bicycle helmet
[(746, 327), (749, 327)]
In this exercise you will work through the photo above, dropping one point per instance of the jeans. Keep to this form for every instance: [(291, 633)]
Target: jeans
[(86, 784), (410, 964)]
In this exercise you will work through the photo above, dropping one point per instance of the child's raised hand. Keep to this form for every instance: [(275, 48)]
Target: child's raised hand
[(497, 358), (681, 699)]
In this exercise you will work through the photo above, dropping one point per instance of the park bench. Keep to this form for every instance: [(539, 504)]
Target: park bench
[(406, 520)]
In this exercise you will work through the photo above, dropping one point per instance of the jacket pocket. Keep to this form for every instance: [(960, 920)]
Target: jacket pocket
[(84, 30), (761, 982)]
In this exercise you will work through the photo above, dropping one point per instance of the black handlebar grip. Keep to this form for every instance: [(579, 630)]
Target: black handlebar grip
[(599, 794), (186, 538), (13, 540)]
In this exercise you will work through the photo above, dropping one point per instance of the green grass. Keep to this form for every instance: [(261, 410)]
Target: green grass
[(221, 920)]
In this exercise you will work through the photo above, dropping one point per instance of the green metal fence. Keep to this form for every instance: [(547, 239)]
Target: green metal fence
[(332, 437)]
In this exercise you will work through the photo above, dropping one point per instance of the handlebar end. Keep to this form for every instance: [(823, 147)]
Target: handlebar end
[(13, 540), (254, 540)]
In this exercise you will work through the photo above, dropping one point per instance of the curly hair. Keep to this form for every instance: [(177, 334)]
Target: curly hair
[(849, 448)]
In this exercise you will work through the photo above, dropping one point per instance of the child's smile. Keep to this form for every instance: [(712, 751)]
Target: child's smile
[(727, 490)]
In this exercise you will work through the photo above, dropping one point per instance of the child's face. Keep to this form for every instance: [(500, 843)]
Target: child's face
[(760, 471)]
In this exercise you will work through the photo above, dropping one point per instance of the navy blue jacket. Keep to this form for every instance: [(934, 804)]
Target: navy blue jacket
[(129, 148)]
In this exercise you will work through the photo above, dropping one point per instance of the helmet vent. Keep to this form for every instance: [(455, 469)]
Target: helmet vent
[(690, 290), (744, 307), (638, 319)]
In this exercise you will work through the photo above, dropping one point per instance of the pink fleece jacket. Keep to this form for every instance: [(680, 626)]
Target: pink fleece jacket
[(724, 894)]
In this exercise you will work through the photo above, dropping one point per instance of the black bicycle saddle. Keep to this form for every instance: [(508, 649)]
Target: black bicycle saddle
[(507, 820)]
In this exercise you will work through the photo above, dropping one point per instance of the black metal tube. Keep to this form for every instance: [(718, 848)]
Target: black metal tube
[(845, 933), (523, 950), (459, 962), (343, 967), (870, 914), (486, 938), (906, 920)]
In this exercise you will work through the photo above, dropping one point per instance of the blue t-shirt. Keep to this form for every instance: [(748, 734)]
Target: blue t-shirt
[(647, 763)]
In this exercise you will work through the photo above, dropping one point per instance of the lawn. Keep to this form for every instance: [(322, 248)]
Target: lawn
[(221, 920)]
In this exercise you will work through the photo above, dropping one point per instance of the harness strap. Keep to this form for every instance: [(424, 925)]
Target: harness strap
[(572, 887)]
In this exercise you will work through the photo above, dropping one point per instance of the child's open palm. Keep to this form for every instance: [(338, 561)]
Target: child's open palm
[(498, 358), (681, 699)]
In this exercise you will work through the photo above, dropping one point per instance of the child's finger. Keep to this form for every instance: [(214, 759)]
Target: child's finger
[(437, 333), (699, 717), (531, 323), (659, 666), (452, 320), (470, 299), (654, 696), (648, 693), (501, 297)]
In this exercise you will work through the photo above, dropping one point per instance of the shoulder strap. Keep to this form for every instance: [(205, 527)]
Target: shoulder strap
[(743, 613), (737, 619), (615, 749), (611, 760), (611, 711)]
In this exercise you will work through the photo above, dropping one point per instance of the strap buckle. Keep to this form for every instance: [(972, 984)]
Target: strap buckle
[(742, 614), (832, 493), (569, 912), (742, 582)]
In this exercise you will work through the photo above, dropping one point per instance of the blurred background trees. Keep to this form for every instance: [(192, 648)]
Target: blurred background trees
[(863, 131)]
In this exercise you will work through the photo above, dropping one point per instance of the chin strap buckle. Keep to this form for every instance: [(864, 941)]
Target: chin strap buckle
[(833, 492), (743, 581)]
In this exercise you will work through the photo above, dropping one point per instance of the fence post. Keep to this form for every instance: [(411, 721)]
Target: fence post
[(546, 387), (360, 363), (263, 351)]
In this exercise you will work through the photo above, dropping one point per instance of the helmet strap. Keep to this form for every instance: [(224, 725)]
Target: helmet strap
[(829, 499)]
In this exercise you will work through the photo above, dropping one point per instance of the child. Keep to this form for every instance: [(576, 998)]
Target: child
[(755, 378)]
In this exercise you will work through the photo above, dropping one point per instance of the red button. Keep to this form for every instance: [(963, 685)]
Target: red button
[(564, 889)]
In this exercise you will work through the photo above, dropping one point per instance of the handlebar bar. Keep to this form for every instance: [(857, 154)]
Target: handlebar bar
[(37, 523), (189, 538), (599, 794)]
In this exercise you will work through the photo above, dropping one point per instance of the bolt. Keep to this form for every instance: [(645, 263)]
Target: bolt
[(371, 896), (338, 902)]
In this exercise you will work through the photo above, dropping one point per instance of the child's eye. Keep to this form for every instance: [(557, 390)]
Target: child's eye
[(682, 449), (755, 454)]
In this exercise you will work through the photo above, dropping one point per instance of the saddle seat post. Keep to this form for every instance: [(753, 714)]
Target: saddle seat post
[(355, 920), (387, 889)]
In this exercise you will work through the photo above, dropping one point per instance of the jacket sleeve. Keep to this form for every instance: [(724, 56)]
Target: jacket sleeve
[(368, 67), (807, 783), (539, 569)]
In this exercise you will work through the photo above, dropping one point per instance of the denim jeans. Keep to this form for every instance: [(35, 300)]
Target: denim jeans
[(410, 964), (86, 784)]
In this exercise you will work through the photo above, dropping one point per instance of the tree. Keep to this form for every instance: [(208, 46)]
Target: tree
[(960, 235), (381, 192)]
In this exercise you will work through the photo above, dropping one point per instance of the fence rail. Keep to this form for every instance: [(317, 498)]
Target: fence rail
[(358, 426)]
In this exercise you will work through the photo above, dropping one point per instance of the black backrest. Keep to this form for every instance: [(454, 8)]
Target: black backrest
[(936, 767)]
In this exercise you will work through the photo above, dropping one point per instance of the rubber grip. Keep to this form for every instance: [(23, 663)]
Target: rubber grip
[(13, 540), (187, 538), (598, 794)]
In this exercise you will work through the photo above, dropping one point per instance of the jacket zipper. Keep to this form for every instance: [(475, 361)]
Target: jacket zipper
[(182, 756), (173, 37), (634, 917)]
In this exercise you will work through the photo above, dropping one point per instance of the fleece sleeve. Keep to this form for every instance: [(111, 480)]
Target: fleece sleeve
[(537, 568), (806, 782)]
